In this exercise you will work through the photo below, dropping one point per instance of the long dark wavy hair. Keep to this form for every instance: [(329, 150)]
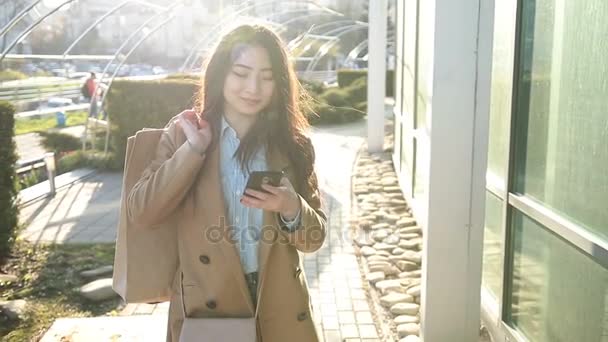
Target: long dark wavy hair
[(281, 127)]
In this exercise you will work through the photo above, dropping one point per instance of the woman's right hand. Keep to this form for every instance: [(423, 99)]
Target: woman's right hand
[(197, 131)]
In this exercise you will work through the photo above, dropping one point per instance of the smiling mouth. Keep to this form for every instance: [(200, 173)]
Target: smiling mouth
[(251, 102)]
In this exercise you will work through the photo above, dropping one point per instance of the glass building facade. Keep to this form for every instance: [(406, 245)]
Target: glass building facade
[(545, 255)]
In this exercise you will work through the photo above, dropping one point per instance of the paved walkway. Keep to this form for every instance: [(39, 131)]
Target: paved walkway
[(88, 212), (29, 146)]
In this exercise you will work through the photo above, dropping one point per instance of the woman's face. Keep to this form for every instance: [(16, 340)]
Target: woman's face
[(249, 85)]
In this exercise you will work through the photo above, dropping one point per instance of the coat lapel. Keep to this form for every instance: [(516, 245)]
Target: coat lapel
[(212, 195), (268, 233)]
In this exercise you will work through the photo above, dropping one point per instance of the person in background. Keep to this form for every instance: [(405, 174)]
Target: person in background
[(94, 90)]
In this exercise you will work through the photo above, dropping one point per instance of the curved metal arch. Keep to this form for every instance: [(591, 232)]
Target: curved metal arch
[(329, 11), (102, 18), (30, 28), (243, 8), (116, 53), (352, 55), (18, 18), (292, 44), (148, 34), (325, 47)]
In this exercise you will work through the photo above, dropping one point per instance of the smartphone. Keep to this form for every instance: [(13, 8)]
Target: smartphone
[(257, 178)]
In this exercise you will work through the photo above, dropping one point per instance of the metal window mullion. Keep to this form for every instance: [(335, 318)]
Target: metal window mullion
[(507, 241), (575, 234)]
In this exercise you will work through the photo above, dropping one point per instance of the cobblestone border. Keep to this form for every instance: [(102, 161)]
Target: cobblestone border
[(387, 244)]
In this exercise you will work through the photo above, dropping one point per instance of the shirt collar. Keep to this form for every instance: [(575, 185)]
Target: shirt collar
[(227, 128)]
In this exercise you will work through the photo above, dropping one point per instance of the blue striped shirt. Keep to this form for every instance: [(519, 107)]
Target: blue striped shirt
[(246, 222)]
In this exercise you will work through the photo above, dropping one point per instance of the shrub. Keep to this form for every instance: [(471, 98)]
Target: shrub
[(8, 179), (335, 97), (322, 114), (133, 105), (312, 87), (361, 106), (59, 142), (346, 77), (357, 91), (11, 75), (184, 76)]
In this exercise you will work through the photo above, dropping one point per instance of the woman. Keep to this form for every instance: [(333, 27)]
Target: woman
[(238, 248)]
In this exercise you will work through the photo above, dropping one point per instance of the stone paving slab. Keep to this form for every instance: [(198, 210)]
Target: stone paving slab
[(82, 212), (149, 328)]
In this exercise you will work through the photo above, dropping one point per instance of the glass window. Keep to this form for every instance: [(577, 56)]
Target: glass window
[(420, 167), (562, 130), (399, 62), (492, 246), (502, 85), (425, 52), (559, 294), (409, 62)]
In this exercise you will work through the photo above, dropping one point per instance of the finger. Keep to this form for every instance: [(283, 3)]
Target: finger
[(272, 189), (190, 115), (188, 128), (257, 194), (249, 201)]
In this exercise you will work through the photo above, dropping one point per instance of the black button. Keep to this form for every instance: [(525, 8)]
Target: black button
[(211, 304), (302, 316), (204, 259)]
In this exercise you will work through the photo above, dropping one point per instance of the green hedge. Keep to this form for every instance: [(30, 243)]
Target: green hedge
[(312, 87), (133, 105), (11, 75), (346, 77), (322, 113), (336, 97), (8, 179), (59, 142)]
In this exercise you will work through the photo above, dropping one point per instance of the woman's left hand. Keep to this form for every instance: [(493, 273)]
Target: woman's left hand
[(282, 199)]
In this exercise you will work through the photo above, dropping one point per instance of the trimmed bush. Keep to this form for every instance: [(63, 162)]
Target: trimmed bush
[(59, 142), (312, 87), (8, 179), (357, 91), (335, 97), (184, 76), (346, 77), (133, 105), (362, 106), (11, 75), (322, 114)]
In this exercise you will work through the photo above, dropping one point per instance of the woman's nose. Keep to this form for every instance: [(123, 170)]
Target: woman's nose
[(253, 85)]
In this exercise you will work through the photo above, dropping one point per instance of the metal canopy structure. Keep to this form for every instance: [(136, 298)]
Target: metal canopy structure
[(330, 31)]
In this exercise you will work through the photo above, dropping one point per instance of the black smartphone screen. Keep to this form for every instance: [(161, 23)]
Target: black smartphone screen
[(257, 178)]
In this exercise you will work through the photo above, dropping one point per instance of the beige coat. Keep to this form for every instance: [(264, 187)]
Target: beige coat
[(182, 188)]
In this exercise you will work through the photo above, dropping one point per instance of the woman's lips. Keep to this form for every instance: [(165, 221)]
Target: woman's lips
[(251, 101)]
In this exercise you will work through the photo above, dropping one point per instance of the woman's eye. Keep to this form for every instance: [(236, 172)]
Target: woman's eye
[(239, 74)]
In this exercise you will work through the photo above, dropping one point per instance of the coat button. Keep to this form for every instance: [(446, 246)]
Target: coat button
[(211, 304), (204, 259), (302, 316)]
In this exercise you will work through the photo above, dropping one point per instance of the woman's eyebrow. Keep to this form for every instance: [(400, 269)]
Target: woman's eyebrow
[(250, 68)]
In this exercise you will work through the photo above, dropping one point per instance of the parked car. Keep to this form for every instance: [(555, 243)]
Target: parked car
[(56, 102)]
